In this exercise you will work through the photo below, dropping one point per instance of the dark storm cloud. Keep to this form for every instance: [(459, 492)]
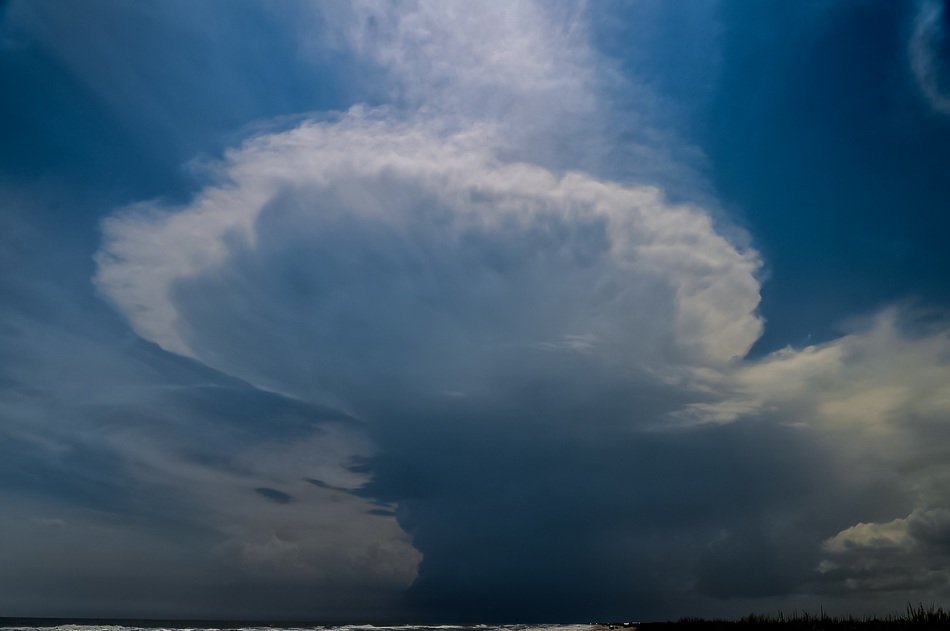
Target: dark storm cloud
[(587, 513), (382, 512), (274, 495), (323, 485)]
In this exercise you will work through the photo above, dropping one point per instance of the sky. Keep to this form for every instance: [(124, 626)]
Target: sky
[(495, 311)]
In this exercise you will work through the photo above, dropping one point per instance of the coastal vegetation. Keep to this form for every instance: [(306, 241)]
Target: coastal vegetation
[(917, 617)]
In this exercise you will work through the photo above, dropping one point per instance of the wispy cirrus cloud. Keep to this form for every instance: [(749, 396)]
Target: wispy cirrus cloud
[(926, 43)]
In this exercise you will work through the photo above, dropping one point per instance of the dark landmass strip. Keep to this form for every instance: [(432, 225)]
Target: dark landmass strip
[(916, 618), (814, 625)]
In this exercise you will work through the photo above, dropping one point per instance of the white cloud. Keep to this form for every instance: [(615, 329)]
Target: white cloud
[(873, 381), (892, 534), (421, 235), (488, 61), (528, 66), (908, 554), (493, 109), (925, 40)]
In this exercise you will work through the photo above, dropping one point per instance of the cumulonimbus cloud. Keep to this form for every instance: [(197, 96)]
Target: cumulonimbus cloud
[(451, 252), (425, 266)]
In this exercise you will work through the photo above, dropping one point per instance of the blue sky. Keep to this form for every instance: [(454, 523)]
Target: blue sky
[(531, 311)]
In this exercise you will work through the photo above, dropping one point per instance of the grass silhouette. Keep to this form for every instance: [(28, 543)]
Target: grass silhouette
[(918, 618)]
